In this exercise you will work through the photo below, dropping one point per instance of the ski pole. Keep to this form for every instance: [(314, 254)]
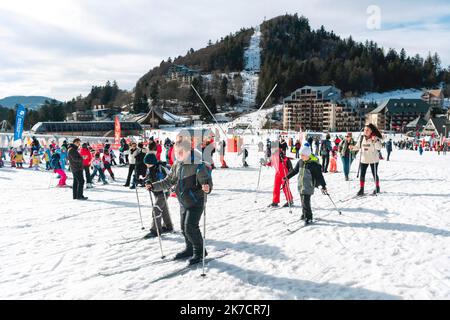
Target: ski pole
[(137, 197), (360, 151), (257, 186), (286, 184), (156, 226), (50, 181), (334, 203), (204, 236)]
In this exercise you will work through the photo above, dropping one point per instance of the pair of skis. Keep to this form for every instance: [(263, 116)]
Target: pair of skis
[(183, 269), (292, 226)]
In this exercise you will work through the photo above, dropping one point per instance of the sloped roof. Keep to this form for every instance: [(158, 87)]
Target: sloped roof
[(395, 106), (417, 123), (435, 92), (440, 123), (161, 115)]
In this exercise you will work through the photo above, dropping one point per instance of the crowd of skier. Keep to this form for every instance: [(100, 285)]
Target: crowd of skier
[(182, 169)]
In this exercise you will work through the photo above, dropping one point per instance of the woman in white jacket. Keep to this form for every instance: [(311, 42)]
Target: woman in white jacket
[(369, 145)]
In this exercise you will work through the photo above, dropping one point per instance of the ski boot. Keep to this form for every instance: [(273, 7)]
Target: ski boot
[(197, 258), (184, 254), (151, 234), (360, 192), (288, 204), (166, 230), (377, 190), (273, 205)]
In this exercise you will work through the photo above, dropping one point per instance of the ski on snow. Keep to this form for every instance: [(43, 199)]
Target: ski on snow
[(295, 229), (359, 197), (137, 239), (113, 272), (186, 269)]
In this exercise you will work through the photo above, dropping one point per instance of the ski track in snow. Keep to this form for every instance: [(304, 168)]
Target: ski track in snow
[(394, 246)]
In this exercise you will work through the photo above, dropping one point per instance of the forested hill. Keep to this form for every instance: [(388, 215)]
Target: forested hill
[(293, 54)]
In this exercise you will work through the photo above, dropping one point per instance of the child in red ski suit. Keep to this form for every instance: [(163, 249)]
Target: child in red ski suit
[(282, 166)]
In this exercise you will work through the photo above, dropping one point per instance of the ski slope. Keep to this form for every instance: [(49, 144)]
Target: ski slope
[(394, 246), (252, 66)]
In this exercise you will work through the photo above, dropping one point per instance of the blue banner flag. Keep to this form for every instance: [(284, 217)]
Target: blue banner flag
[(20, 118)]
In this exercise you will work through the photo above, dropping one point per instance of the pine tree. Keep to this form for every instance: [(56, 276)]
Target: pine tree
[(154, 92)]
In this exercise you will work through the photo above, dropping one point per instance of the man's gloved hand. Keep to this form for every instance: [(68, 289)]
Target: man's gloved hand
[(324, 191), (149, 186)]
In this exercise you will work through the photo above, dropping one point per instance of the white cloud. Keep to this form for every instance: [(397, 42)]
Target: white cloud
[(62, 48)]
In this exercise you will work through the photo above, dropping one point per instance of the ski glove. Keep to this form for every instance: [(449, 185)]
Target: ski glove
[(324, 191)]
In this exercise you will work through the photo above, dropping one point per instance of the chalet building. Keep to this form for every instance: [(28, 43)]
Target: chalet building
[(396, 114), (435, 98), (437, 127), (312, 108), (416, 125), (158, 117), (182, 74)]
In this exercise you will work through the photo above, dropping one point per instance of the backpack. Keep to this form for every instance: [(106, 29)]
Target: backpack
[(325, 148), (162, 172)]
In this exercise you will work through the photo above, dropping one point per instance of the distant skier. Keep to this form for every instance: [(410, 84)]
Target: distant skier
[(369, 145), (107, 162), (19, 159), (325, 149), (64, 148), (56, 164), (222, 150), (268, 149), (283, 146), (346, 154), (47, 157), (35, 146), (389, 148), (36, 160), (260, 146), (310, 177), (298, 146), (87, 158), (98, 166), (132, 163), (192, 180), (76, 166)]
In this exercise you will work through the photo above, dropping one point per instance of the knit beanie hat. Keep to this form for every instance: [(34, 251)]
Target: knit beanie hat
[(305, 151), (150, 158)]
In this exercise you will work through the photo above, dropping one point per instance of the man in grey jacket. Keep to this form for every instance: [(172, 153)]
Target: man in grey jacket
[(192, 180)]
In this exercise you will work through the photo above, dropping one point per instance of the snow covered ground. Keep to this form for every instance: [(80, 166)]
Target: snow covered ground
[(394, 246)]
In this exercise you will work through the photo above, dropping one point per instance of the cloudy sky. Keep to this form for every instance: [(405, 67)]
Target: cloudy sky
[(61, 48)]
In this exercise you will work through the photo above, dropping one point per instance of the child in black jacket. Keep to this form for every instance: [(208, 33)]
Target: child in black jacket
[(310, 177)]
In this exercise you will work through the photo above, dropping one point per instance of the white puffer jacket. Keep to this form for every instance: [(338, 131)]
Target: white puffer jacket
[(132, 155), (370, 150)]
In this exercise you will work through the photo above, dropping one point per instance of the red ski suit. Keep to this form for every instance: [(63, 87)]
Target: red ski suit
[(282, 167)]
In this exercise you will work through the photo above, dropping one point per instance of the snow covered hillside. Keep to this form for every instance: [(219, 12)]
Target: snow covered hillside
[(252, 61), (394, 246), (379, 98)]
